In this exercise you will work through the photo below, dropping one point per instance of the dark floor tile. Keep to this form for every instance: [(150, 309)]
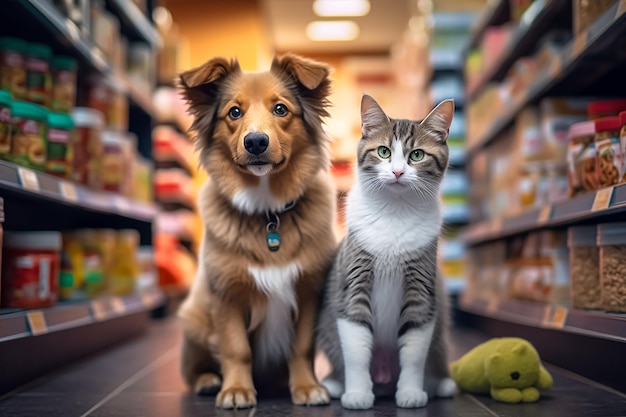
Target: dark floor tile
[(48, 405)]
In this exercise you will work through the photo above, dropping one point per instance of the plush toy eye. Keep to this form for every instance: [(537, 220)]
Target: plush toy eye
[(417, 155), (280, 110), (515, 375), (235, 113), (384, 152)]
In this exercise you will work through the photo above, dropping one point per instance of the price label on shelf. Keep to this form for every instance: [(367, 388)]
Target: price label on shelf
[(118, 305), (544, 215), (28, 179), (559, 315), (98, 310), (68, 191), (602, 199), (36, 322)]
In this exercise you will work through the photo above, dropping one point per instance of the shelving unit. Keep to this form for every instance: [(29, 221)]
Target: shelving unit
[(589, 66), (35, 342)]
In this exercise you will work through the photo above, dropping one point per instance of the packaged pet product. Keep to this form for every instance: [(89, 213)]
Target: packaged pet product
[(88, 147), (557, 115), (29, 135), (605, 108), (584, 266), (60, 145), (38, 76), (63, 84), (612, 243), (5, 123), (12, 68), (609, 158), (124, 271), (31, 269), (113, 169), (554, 258), (579, 172)]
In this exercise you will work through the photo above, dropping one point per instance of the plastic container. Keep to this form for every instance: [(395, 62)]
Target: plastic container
[(584, 266), (605, 108), (110, 99), (5, 123), (114, 162), (31, 269), (88, 146), (125, 268), (12, 67), (63, 84), (60, 145), (38, 76), (29, 135), (622, 121), (609, 158), (612, 243), (581, 150)]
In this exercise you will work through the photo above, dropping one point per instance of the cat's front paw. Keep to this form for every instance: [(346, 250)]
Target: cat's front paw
[(411, 398), (358, 400)]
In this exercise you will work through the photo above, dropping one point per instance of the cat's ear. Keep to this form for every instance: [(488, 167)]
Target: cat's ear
[(372, 115), (438, 121)]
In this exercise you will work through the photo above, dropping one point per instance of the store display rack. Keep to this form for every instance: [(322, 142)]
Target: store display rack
[(33, 342), (495, 12), (606, 203), (600, 38)]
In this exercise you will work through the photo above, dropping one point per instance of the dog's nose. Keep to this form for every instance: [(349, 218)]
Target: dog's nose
[(256, 143)]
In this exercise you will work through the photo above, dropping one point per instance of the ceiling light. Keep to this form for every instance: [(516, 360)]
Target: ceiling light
[(338, 30), (328, 8)]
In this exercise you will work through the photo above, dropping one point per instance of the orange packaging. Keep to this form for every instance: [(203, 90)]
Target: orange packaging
[(31, 266)]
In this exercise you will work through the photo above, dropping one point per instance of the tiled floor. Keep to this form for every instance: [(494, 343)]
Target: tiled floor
[(141, 378)]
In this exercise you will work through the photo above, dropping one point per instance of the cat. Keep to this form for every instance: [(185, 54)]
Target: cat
[(384, 314)]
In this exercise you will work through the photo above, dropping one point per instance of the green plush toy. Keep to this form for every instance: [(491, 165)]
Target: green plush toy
[(509, 368)]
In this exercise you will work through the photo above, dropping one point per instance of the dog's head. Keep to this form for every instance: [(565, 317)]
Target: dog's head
[(252, 125)]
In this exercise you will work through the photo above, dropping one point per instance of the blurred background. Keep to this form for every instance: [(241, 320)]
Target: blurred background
[(98, 177)]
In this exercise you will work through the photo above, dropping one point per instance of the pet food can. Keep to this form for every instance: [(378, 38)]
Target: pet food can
[(88, 146), (584, 266), (60, 144), (5, 123), (12, 69), (612, 243), (608, 151), (31, 269), (28, 142), (38, 78), (63, 84)]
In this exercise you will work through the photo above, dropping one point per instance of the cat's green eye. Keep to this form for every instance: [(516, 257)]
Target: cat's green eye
[(384, 152), (417, 155)]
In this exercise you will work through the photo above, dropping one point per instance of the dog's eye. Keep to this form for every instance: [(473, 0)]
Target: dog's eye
[(234, 112), (280, 110)]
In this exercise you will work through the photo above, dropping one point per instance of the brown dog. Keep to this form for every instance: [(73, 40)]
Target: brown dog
[(268, 211)]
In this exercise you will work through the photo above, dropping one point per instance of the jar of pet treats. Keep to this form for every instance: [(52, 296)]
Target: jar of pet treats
[(612, 242), (580, 137), (584, 266), (29, 135), (60, 145), (63, 84), (88, 147), (38, 77), (5, 123), (608, 151), (12, 69)]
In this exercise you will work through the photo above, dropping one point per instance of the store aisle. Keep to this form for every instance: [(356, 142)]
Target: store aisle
[(141, 378)]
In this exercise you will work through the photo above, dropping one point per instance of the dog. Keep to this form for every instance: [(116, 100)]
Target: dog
[(268, 210)]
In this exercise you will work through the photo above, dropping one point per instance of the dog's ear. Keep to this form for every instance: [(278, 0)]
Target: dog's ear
[(309, 73), (199, 85)]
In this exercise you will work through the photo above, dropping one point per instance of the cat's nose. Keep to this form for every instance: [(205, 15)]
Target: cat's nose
[(398, 173)]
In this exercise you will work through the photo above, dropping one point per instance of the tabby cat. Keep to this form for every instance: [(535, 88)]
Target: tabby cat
[(384, 315)]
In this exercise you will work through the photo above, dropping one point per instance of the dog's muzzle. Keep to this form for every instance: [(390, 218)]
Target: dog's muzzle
[(256, 143)]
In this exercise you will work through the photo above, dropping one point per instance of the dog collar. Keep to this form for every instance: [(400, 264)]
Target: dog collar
[(273, 223)]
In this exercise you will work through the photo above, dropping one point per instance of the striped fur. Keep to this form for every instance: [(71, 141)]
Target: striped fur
[(384, 278)]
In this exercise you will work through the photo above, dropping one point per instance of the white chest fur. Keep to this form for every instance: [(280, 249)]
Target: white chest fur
[(275, 332), (391, 225), (257, 199)]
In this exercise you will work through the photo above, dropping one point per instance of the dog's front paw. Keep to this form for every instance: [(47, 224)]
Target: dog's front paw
[(310, 395), (358, 400), (236, 397), (207, 384), (411, 398)]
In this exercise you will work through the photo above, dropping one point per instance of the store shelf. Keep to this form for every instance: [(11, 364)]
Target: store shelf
[(135, 18), (41, 187), (522, 42), (68, 37), (549, 316), (495, 12), (596, 40), (606, 203), (51, 337)]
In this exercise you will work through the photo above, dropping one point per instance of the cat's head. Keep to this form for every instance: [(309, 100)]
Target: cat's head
[(403, 156)]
